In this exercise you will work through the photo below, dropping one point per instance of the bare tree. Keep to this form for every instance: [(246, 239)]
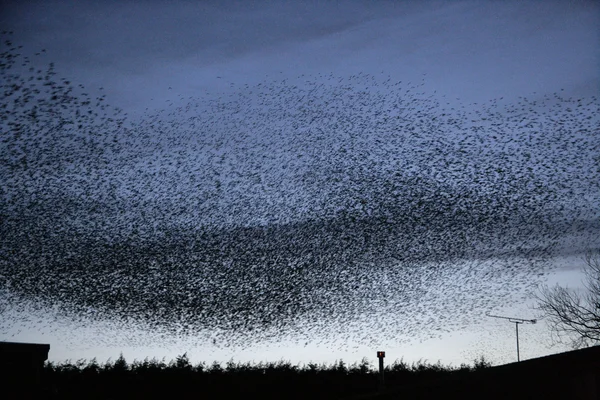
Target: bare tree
[(575, 314)]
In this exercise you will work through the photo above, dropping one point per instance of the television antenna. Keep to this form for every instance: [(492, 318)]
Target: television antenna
[(515, 321)]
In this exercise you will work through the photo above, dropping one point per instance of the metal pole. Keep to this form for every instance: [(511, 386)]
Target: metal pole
[(381, 379), (381, 355), (517, 328), (516, 321)]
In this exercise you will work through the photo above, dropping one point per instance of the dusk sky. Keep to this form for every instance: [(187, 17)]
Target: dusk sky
[(298, 180)]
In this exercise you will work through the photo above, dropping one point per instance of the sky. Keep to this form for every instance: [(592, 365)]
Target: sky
[(302, 180)]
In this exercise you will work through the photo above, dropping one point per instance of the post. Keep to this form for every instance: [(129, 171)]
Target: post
[(381, 356), (515, 321), (517, 329)]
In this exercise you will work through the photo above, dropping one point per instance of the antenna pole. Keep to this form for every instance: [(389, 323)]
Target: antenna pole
[(517, 329), (515, 321)]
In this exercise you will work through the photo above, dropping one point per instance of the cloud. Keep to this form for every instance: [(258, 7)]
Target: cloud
[(311, 162)]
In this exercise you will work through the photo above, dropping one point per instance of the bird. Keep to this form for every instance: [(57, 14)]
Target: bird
[(293, 209)]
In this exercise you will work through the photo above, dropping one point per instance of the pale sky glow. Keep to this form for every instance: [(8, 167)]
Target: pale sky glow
[(240, 113)]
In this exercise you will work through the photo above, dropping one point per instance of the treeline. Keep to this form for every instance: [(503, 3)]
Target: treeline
[(265, 380)]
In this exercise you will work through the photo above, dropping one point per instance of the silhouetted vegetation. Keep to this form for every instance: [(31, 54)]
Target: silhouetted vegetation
[(152, 378), (575, 315), (560, 376)]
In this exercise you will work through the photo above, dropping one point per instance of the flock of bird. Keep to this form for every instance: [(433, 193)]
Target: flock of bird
[(323, 208)]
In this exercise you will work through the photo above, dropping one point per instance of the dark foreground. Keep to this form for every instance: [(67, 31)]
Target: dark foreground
[(572, 375)]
